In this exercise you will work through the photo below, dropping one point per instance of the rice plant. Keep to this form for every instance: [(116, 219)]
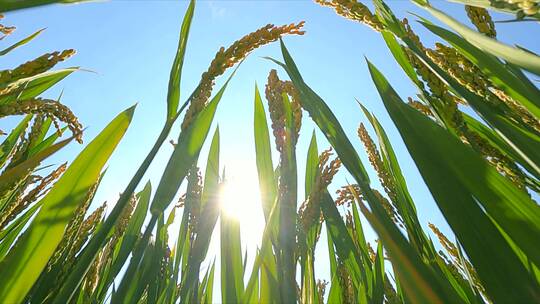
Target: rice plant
[(473, 131), (24, 181)]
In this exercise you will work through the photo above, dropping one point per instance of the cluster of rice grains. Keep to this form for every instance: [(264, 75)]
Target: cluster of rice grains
[(226, 58), (276, 92), (458, 266), (18, 204), (309, 212), (36, 66), (21, 195), (445, 107), (482, 20), (384, 176), (286, 129), (442, 103), (46, 107), (353, 10), (14, 82), (525, 7)]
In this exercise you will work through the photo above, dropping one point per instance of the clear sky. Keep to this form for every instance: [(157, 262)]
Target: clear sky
[(130, 46)]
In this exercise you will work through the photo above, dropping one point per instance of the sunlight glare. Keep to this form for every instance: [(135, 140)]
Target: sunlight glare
[(241, 199)]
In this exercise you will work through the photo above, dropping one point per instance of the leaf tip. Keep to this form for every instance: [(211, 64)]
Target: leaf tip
[(130, 111)]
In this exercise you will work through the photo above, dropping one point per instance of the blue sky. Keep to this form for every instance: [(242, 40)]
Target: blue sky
[(130, 45)]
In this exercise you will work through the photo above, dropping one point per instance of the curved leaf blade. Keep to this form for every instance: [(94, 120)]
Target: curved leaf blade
[(21, 267)]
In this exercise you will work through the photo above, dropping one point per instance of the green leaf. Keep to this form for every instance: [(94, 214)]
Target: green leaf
[(345, 248), (420, 282), (459, 179), (209, 211), (21, 267), (269, 272), (263, 156), (307, 255), (209, 290), (334, 294), (232, 282), (252, 286), (400, 56), (11, 140), (11, 5), (140, 279), (20, 43), (185, 154), (525, 142), (173, 94), (33, 86), (378, 272), (32, 162), (133, 229), (324, 118), (312, 163), (11, 232), (211, 175), (361, 240)]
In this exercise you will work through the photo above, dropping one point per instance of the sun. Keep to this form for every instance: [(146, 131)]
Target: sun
[(240, 199)]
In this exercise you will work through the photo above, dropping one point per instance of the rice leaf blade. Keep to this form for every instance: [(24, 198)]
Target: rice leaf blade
[(265, 167), (424, 139), (173, 93), (21, 268)]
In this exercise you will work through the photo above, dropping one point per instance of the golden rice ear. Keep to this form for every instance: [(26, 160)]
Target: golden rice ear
[(321, 289), (39, 65), (482, 20), (346, 194), (50, 108), (226, 58), (309, 211), (376, 162), (16, 207), (274, 90), (354, 10), (123, 221), (390, 209)]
